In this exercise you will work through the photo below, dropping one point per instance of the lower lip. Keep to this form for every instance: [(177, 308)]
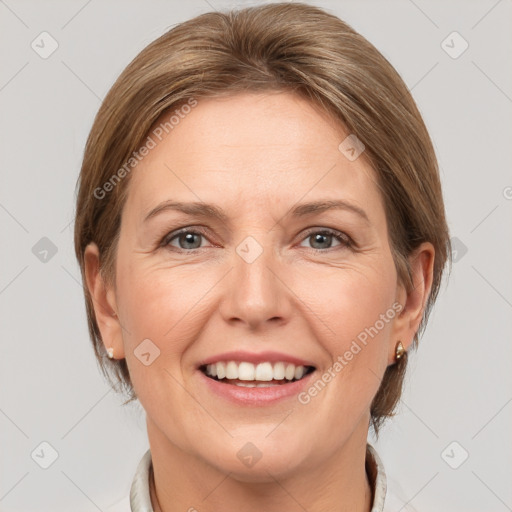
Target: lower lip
[(256, 396)]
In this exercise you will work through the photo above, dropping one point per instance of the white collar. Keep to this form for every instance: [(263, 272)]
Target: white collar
[(140, 500)]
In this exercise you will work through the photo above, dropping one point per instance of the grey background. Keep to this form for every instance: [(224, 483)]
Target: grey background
[(459, 382)]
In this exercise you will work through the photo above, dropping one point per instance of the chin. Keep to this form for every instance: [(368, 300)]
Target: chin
[(258, 458)]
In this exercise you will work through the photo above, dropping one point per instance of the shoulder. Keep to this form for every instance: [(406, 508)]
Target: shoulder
[(388, 494), (396, 498)]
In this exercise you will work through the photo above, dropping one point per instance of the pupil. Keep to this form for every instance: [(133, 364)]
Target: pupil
[(189, 239), (318, 237)]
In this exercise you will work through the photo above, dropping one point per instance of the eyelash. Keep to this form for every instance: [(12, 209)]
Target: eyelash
[(346, 241)]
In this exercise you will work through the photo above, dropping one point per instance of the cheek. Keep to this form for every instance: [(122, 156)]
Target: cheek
[(359, 306), (159, 304), (349, 300), (162, 304), (354, 317)]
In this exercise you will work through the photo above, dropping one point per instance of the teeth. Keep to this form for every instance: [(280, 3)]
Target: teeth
[(299, 372), (262, 372), (221, 370), (289, 373), (245, 371), (231, 370), (279, 371)]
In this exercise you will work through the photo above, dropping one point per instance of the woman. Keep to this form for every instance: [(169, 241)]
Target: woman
[(261, 231)]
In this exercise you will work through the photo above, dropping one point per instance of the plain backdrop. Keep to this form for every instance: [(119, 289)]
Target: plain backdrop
[(449, 446)]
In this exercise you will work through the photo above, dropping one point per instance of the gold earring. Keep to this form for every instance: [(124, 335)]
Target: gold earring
[(399, 351), (110, 352)]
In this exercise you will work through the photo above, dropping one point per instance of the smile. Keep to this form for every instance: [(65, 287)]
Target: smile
[(265, 374)]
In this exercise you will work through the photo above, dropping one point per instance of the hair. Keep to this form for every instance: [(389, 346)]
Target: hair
[(283, 47)]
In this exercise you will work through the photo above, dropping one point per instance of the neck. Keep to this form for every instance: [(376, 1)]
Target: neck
[(182, 481)]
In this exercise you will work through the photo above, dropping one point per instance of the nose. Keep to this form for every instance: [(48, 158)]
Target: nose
[(255, 292)]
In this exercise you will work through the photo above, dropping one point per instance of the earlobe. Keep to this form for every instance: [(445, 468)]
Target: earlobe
[(406, 324), (104, 303)]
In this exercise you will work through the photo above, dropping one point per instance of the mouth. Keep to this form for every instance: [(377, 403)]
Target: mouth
[(262, 375)]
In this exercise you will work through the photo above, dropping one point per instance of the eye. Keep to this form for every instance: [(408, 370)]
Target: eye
[(190, 240), (187, 240), (324, 238)]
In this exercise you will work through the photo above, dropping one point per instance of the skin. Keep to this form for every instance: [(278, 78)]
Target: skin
[(256, 156)]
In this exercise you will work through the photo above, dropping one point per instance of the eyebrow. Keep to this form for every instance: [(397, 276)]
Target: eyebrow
[(201, 209)]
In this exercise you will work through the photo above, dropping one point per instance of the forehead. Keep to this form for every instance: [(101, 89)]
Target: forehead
[(262, 148)]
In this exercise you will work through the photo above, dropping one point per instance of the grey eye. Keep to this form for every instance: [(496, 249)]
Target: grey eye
[(187, 240)]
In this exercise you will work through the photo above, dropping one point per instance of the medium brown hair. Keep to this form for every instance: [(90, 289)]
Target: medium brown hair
[(283, 47)]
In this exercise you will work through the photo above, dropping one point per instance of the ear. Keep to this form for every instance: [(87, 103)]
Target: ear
[(407, 322), (104, 302)]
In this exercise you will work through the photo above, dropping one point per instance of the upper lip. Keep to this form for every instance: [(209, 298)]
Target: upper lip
[(255, 358)]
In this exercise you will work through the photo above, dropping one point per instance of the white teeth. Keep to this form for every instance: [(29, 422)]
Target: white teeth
[(263, 372), (221, 370), (289, 373), (245, 371), (279, 371), (232, 370)]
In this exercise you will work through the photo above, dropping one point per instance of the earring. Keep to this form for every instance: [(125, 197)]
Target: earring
[(110, 352), (399, 351)]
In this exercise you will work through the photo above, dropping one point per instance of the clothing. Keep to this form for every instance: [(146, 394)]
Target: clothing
[(383, 501)]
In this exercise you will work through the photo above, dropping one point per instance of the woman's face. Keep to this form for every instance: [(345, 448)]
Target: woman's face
[(266, 283)]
